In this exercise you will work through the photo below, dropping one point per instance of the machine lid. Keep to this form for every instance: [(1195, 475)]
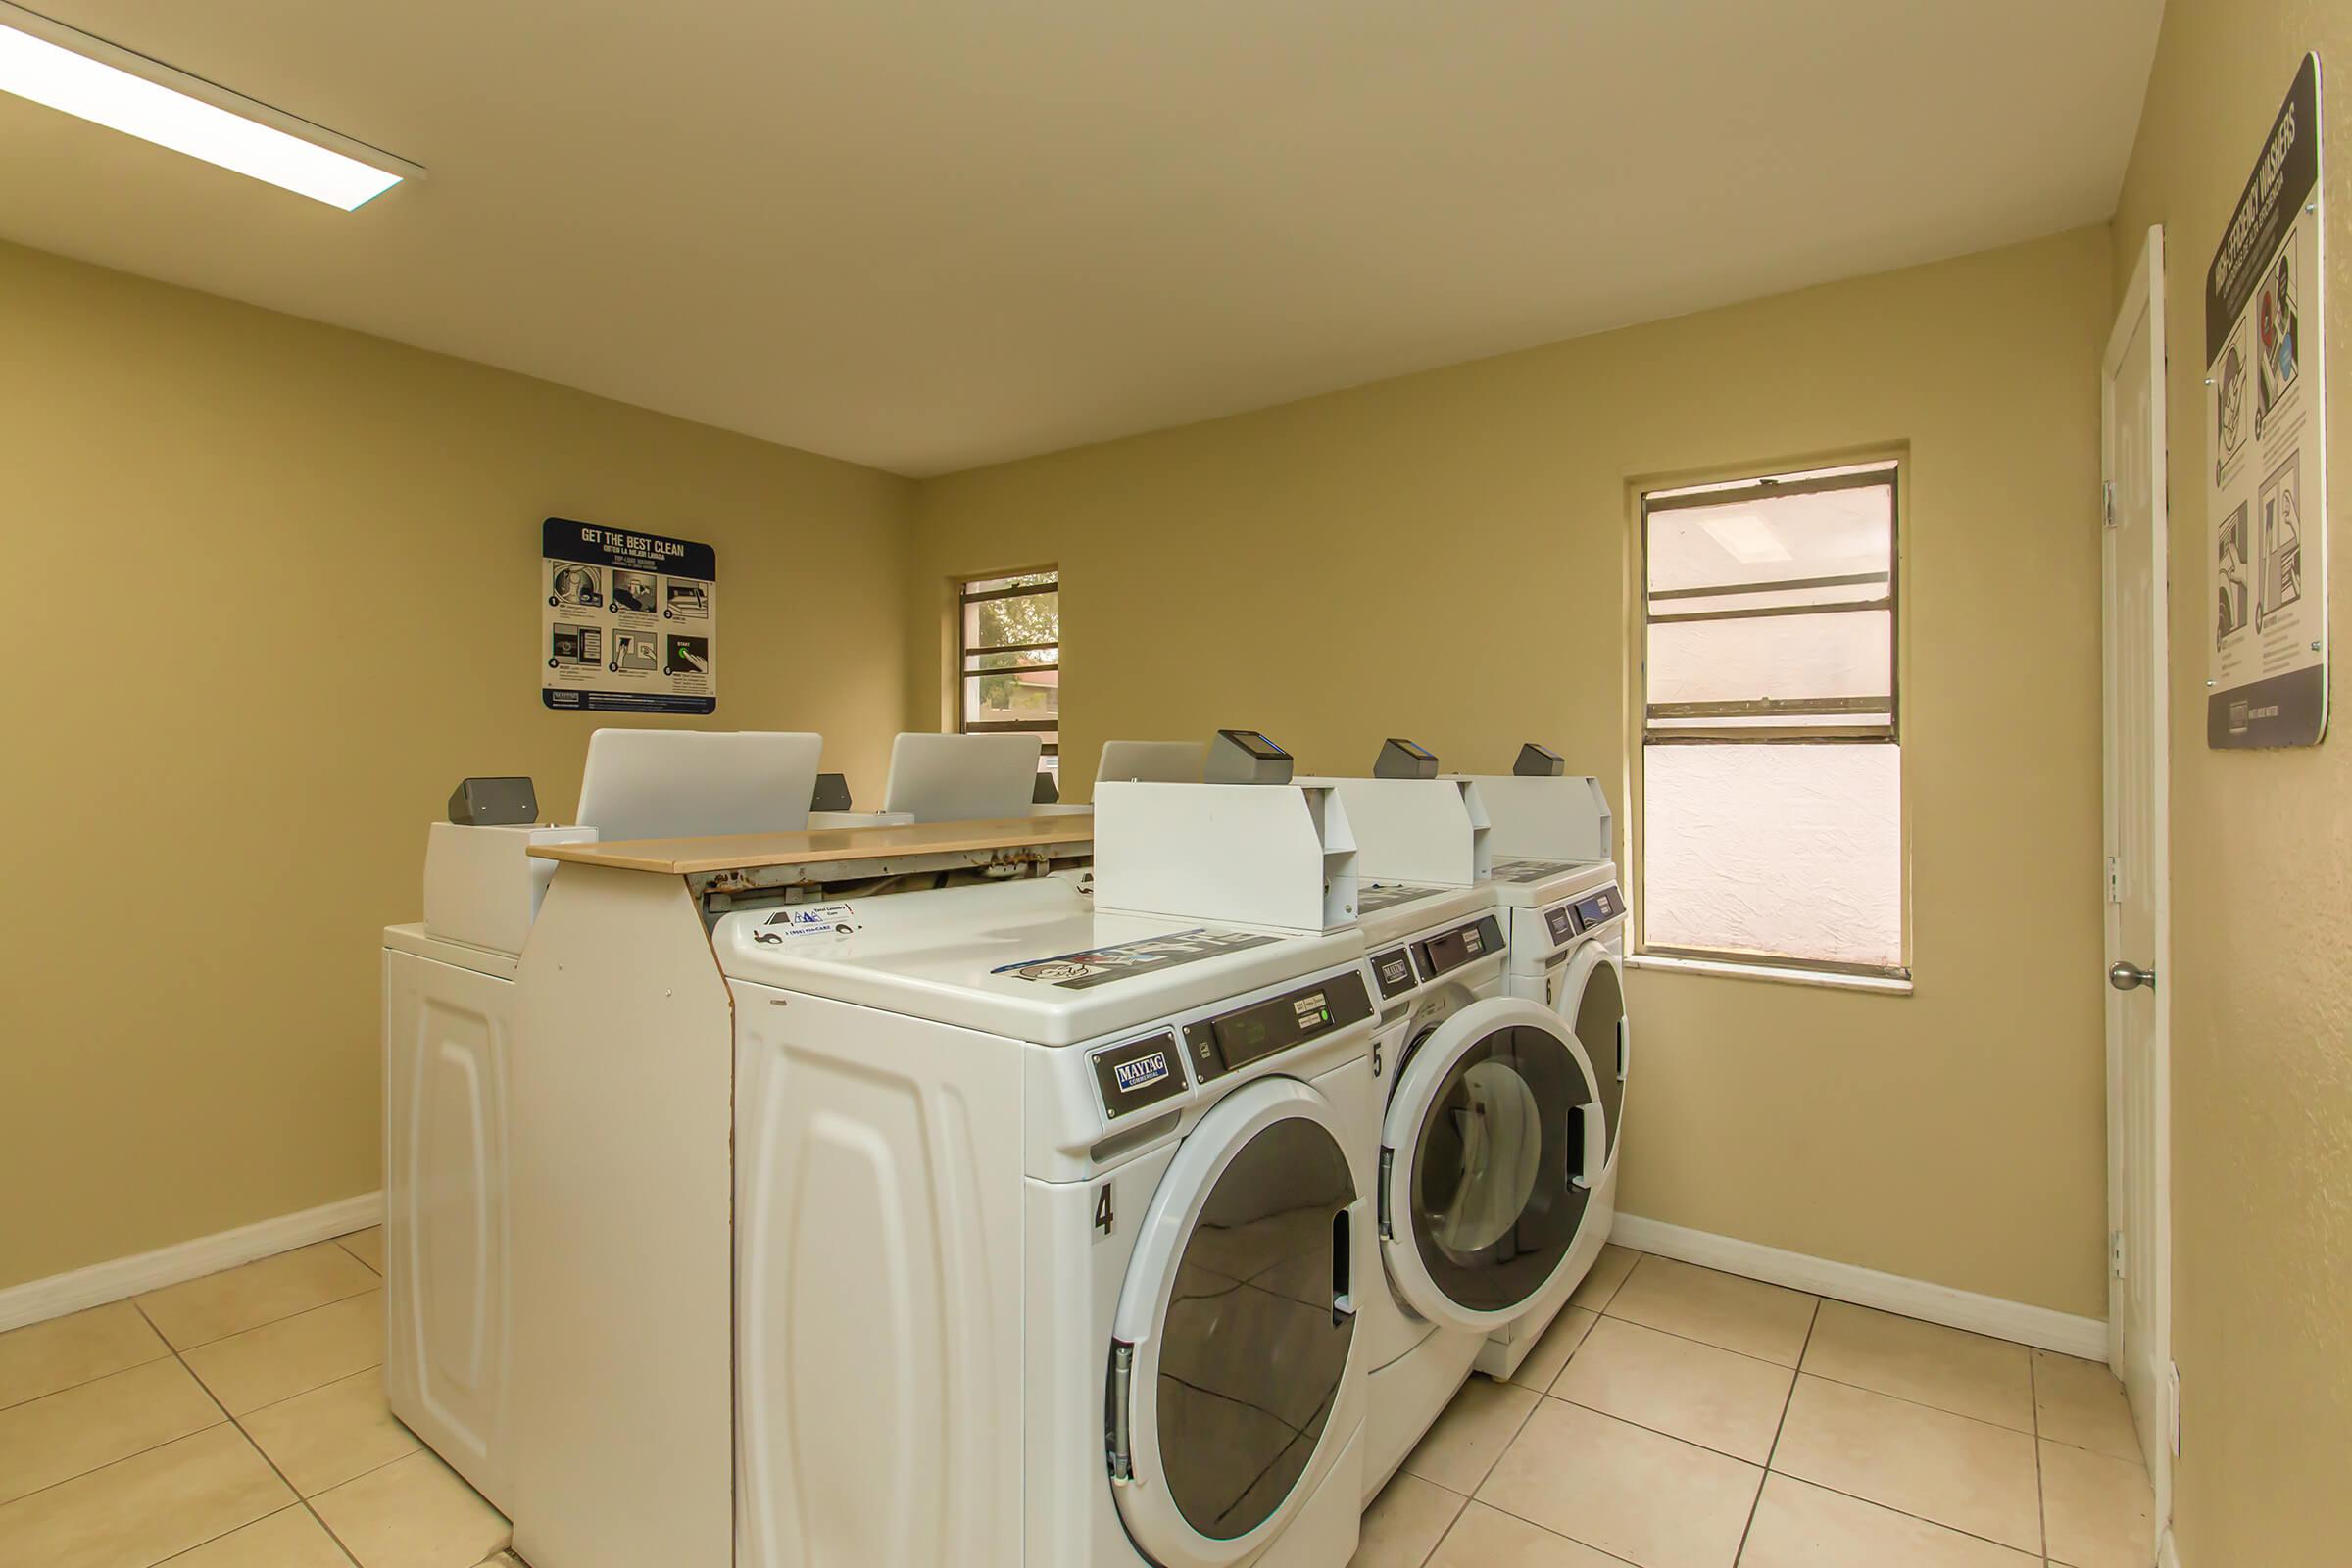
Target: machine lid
[(1592, 1000), (1029, 960), (415, 939), (1525, 882), (1231, 1349), (1390, 912), (1490, 1150)]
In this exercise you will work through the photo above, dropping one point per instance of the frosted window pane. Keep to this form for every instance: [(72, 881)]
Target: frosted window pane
[(1776, 851), (1849, 654), (1833, 533)]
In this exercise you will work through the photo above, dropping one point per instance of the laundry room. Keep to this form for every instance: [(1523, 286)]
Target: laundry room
[(1236, 787)]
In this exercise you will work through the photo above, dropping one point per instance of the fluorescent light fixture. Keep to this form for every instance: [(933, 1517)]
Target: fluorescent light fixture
[(52, 63), (1748, 537)]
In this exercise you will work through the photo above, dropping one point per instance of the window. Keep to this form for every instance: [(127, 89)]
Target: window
[(1771, 744), (1009, 658)]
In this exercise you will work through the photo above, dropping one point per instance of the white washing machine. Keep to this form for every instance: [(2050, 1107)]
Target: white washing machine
[(1049, 1242), (1566, 940), (1484, 1143), (448, 1021), (449, 1036)]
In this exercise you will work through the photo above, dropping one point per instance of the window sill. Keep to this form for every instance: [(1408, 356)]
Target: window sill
[(1786, 975)]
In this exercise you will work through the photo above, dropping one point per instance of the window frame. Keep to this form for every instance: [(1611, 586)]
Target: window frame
[(960, 674), (1753, 482)]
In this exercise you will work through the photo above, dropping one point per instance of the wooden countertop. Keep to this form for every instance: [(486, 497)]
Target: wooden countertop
[(736, 852)]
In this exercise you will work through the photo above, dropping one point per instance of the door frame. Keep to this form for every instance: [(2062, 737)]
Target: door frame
[(2144, 297)]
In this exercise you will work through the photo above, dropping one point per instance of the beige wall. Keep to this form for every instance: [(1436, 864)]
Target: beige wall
[(2261, 990), (271, 596), (1444, 557)]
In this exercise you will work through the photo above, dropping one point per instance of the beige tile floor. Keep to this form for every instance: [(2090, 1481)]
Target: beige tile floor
[(236, 1421), (1673, 1418), (1680, 1418)]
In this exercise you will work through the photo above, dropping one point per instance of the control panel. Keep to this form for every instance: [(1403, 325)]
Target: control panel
[(1599, 909), (1245, 757), (1139, 1074), (1464, 943), (1536, 760), (1404, 759), (1560, 922), (1219, 1045)]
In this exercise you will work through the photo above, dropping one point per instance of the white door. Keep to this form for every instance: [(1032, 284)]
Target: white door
[(2138, 981), (1492, 1142), (1232, 1351)]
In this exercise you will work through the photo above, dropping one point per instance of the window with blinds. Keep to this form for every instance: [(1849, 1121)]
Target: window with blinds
[(1771, 733)]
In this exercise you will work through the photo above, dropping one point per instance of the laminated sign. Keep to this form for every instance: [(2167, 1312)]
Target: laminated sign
[(2266, 485), (628, 621)]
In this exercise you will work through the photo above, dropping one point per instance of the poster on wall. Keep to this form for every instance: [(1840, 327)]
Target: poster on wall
[(2266, 488), (628, 621)]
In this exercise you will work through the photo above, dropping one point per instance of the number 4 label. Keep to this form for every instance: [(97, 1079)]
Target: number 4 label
[(1102, 1214)]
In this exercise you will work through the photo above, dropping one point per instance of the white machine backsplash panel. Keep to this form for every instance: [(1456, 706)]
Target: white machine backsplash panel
[(447, 1039), (1280, 856), (1789, 850)]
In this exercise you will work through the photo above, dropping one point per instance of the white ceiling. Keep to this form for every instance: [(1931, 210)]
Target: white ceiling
[(930, 235)]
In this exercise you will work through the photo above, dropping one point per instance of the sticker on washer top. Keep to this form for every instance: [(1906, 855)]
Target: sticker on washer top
[(1098, 967), (807, 921), (1530, 870)]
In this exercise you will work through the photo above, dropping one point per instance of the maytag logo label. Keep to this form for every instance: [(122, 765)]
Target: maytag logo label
[(1142, 1071)]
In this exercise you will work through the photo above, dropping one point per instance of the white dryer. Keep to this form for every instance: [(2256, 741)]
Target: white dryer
[(1567, 955), (1484, 1144), (1049, 1241)]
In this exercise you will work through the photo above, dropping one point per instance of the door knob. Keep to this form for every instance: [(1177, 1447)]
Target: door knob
[(2130, 977)]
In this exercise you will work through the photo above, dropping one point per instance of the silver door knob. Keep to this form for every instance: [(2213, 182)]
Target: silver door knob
[(2130, 977)]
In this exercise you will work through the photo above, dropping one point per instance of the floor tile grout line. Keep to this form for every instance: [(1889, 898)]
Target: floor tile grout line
[(373, 1367), (81, 1382), (2041, 1492), (123, 1458), (1917, 1404), (1691, 1338), (355, 1258), (1906, 1513), (1537, 1524), (376, 1284), (1643, 1426), (300, 1501), (1773, 1453), (1422, 1561), (83, 1475)]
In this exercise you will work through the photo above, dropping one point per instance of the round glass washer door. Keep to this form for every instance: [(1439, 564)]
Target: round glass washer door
[(1492, 1144), (1232, 1344)]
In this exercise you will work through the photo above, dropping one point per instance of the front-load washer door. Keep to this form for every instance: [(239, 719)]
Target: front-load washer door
[(1231, 1349), (1489, 1153), (1591, 999)]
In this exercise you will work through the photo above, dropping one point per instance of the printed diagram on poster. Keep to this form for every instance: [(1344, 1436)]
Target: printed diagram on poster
[(628, 621), (2267, 491)]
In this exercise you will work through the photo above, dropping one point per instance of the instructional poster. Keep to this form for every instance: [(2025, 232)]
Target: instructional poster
[(2266, 492), (628, 621)]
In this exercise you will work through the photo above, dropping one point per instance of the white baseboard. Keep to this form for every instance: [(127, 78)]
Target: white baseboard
[(36, 1301), (2040, 1326)]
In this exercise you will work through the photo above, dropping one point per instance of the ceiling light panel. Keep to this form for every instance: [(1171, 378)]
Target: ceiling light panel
[(51, 64)]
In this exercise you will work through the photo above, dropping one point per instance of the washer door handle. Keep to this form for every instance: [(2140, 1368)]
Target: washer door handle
[(1591, 1138), (1342, 1267)]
